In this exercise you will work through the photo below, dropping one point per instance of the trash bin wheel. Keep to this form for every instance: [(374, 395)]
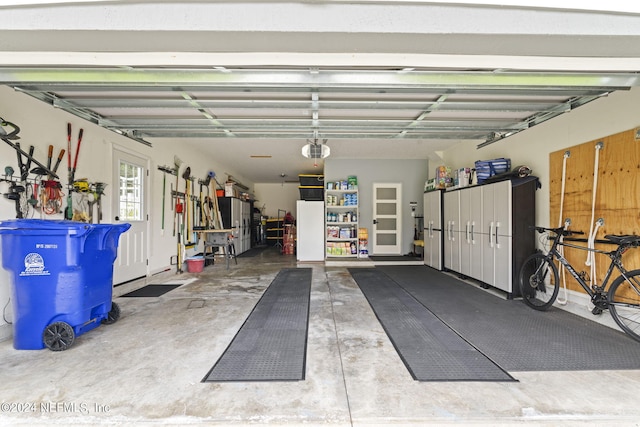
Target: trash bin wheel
[(113, 315), (58, 336)]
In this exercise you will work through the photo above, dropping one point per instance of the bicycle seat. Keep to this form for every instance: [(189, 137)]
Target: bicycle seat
[(624, 239)]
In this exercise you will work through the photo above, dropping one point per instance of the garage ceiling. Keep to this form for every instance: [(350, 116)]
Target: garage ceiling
[(370, 86), (320, 105)]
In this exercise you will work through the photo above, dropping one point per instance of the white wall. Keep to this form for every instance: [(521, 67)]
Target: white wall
[(271, 197), (606, 116), (42, 125), (411, 173)]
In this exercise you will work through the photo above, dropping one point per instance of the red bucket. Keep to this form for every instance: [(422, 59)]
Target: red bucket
[(195, 265)]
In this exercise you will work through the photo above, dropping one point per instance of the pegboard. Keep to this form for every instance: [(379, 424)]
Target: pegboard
[(617, 196)]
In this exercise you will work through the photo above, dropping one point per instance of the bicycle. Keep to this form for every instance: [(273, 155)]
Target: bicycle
[(539, 280)]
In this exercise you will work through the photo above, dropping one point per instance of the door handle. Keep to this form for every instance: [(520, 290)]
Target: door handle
[(375, 221), (473, 239), (117, 218), (490, 234)]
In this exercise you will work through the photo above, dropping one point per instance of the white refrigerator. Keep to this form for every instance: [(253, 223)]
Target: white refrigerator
[(310, 230)]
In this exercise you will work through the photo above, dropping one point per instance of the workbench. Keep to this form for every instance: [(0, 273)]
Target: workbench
[(219, 238)]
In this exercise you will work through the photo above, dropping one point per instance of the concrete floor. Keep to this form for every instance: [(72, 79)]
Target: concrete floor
[(146, 368)]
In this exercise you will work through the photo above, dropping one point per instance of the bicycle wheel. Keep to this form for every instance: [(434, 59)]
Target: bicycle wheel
[(624, 303), (538, 280)]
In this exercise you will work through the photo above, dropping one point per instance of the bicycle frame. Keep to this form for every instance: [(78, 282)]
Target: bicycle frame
[(616, 262)]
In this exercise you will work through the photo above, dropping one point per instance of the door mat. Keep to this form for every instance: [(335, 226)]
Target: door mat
[(252, 252), (512, 334), (151, 291), (394, 258), (430, 350), (271, 345)]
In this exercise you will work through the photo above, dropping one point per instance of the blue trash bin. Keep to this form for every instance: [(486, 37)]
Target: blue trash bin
[(62, 279)]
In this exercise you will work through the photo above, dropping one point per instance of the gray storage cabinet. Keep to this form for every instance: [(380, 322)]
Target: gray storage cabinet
[(487, 231)]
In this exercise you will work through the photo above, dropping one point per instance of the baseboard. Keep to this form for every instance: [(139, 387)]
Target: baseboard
[(6, 332)]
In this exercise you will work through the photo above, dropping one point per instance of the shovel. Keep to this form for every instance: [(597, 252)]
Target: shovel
[(186, 175)]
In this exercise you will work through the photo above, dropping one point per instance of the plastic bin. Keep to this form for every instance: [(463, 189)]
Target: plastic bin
[(311, 180), (195, 264), (311, 193), (62, 279)]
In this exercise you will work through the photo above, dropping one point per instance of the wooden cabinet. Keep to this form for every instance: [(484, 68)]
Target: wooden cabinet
[(487, 235)]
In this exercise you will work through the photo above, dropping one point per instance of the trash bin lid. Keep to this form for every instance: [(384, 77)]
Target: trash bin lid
[(44, 226)]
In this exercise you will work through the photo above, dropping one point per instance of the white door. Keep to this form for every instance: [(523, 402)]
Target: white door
[(130, 205), (387, 216)]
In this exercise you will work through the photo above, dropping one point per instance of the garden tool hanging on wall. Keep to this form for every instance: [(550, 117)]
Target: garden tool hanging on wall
[(171, 171), (217, 222), (96, 189), (186, 175), (19, 193), (82, 212), (8, 137), (71, 170), (179, 224), (174, 193), (51, 188), (15, 190), (206, 204)]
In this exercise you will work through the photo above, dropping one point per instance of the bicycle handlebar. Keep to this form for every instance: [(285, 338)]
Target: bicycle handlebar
[(559, 231), (623, 241)]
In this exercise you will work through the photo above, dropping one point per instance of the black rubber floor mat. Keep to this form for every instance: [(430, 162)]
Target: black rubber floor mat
[(430, 350), (255, 251), (151, 291), (271, 345), (394, 258), (515, 336)]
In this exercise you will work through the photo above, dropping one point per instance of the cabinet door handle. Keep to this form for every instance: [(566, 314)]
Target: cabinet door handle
[(491, 234), (473, 239), (497, 226), (467, 232)]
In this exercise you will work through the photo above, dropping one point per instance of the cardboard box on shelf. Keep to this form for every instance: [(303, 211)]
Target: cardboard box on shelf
[(461, 177), (443, 177)]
